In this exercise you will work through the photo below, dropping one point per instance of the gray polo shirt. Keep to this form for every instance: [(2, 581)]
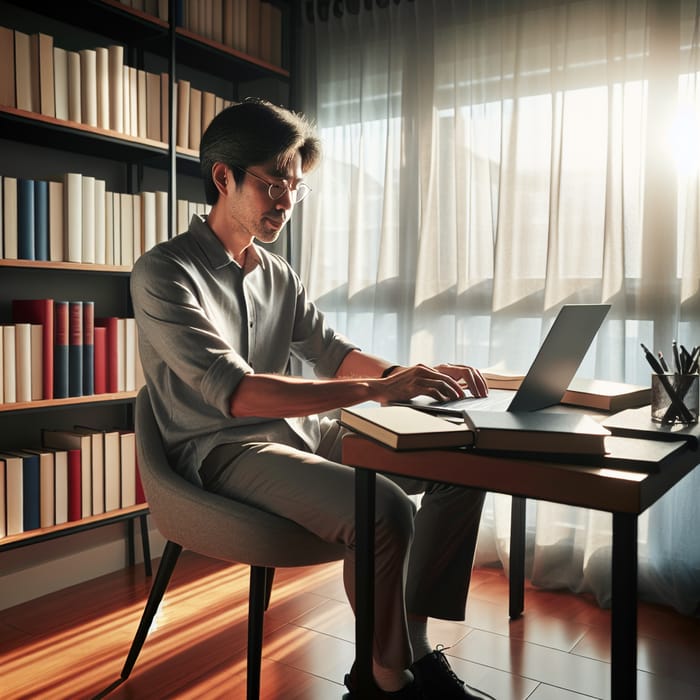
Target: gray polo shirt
[(204, 322)]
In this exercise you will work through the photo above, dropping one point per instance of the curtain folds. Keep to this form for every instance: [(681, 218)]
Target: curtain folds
[(486, 162)]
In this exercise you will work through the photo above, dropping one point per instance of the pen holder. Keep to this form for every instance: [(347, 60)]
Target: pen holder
[(674, 398)]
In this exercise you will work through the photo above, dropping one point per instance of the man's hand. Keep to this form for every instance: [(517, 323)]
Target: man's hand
[(442, 383)]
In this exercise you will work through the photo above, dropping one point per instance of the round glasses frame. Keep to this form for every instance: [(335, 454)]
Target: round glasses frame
[(277, 190)]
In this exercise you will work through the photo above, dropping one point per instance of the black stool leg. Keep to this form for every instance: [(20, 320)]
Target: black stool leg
[(160, 583), (259, 598)]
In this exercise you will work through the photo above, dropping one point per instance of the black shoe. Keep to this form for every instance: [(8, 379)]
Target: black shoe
[(412, 691), (434, 674)]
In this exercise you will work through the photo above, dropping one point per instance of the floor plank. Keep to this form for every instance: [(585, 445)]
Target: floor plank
[(73, 643)]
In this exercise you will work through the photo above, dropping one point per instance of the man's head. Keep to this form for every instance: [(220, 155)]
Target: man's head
[(253, 132)]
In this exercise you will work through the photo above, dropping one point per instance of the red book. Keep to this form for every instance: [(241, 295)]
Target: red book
[(100, 360), (39, 311), (113, 350), (74, 489), (60, 350)]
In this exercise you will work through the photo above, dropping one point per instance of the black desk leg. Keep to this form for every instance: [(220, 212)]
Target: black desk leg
[(365, 482), (516, 574), (146, 544), (623, 672)]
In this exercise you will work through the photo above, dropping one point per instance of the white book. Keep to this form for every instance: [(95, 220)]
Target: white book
[(109, 228), (88, 86), (61, 485), (97, 455), (100, 222), (73, 216), (161, 216), (60, 76), (183, 113), (126, 104), (183, 219), (128, 469), (133, 101), (195, 131), (42, 54), (102, 78), (121, 355), (56, 216), (127, 229), (23, 362), (153, 107), (117, 228), (14, 488), (37, 361), (129, 354), (116, 87), (148, 214), (75, 113), (2, 368), (137, 228), (88, 219), (112, 450), (141, 104), (9, 215), (9, 364)]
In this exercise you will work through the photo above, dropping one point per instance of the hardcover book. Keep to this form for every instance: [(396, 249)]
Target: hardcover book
[(605, 395), (75, 348), (405, 428), (61, 363), (40, 311)]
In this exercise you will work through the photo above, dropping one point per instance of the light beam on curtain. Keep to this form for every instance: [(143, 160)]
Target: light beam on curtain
[(486, 162)]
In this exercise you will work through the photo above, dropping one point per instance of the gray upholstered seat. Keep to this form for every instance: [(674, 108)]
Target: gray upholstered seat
[(191, 518)]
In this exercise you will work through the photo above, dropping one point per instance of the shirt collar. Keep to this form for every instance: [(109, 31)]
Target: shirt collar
[(214, 250)]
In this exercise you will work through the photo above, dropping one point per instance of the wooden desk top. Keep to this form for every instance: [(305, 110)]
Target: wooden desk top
[(651, 468)]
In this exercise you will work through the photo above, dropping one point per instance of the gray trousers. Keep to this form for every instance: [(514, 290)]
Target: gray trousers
[(423, 557)]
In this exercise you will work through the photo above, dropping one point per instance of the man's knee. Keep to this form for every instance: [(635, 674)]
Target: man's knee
[(394, 512)]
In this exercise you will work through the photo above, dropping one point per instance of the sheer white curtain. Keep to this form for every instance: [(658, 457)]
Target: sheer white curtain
[(486, 162)]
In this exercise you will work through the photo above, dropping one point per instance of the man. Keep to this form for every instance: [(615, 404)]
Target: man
[(219, 318)]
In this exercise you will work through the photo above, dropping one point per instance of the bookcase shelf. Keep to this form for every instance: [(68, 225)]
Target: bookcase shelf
[(129, 164)]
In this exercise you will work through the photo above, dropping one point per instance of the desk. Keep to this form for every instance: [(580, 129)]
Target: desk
[(602, 485)]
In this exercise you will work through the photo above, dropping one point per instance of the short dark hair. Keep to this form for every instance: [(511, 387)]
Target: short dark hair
[(252, 132)]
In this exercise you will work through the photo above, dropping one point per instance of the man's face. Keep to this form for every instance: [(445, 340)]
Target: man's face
[(252, 208)]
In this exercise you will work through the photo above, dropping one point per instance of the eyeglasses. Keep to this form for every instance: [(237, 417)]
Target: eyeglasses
[(277, 190)]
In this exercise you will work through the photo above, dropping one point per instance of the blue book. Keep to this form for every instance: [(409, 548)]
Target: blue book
[(75, 348), (30, 491), (25, 219), (60, 350), (41, 220)]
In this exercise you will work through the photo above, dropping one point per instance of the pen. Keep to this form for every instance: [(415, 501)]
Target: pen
[(663, 362), (676, 357), (678, 406), (685, 360)]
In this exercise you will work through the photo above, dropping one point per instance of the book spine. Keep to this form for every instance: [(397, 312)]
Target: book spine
[(9, 366), (37, 361), (40, 311), (102, 80), (110, 324), (100, 222), (74, 89), (44, 57), (75, 348), (60, 69), (75, 497), (14, 493), (56, 235), (60, 350), (9, 218), (116, 87), (61, 486), (23, 366), (7, 75), (47, 489), (73, 216), (23, 72), (41, 220), (30, 492), (88, 348), (100, 360), (88, 86), (88, 219), (25, 219)]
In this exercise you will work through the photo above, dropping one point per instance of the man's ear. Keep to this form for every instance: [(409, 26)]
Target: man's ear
[(219, 174)]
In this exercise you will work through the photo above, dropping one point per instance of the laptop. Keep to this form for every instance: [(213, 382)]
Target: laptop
[(550, 373)]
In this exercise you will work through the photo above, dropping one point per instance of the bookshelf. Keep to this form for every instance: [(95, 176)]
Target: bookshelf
[(46, 147)]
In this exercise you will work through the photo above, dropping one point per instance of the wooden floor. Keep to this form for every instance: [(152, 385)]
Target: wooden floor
[(72, 644)]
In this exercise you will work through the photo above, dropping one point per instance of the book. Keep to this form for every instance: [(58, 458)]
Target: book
[(55, 221), (88, 86), (40, 311), (75, 98), (9, 218), (131, 491), (14, 501), (502, 379), (161, 216), (9, 364), (110, 324), (60, 72), (74, 441), (75, 486), (130, 354), (536, 431), (88, 219), (100, 222), (637, 423), (36, 348), (47, 485), (41, 220), (26, 81), (3, 499), (60, 464), (42, 56), (141, 106), (153, 107), (195, 124), (148, 217), (25, 218), (7, 60), (102, 85), (115, 54), (75, 348), (97, 464), (136, 228), (183, 113), (31, 517), (100, 374), (73, 216), (61, 362), (606, 395), (113, 470), (405, 428), (88, 348), (23, 362)]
